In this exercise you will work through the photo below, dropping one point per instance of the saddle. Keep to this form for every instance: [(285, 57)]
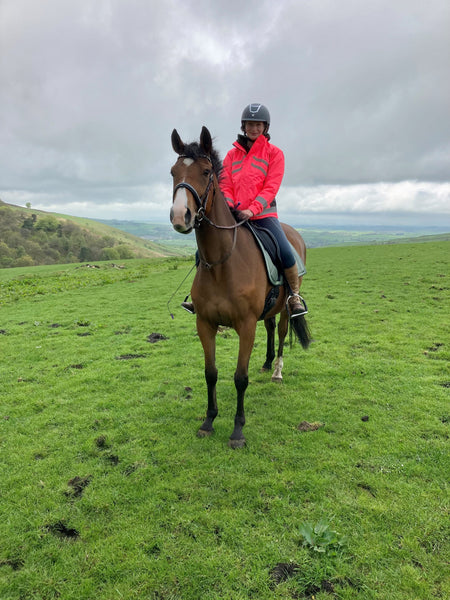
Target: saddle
[(271, 253)]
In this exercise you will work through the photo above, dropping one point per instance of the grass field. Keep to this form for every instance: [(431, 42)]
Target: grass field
[(341, 492)]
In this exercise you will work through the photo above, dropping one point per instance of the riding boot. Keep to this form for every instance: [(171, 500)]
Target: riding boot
[(296, 304), (189, 306)]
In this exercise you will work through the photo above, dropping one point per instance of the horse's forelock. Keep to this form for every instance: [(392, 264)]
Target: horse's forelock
[(195, 152)]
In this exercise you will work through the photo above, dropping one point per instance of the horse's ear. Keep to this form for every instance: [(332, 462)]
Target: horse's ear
[(206, 141), (177, 144)]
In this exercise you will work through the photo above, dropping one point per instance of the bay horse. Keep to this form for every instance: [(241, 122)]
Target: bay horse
[(231, 285)]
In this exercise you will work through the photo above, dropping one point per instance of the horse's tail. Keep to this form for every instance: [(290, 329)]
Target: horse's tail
[(301, 330)]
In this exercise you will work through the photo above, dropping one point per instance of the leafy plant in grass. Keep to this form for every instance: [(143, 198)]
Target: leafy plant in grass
[(320, 538)]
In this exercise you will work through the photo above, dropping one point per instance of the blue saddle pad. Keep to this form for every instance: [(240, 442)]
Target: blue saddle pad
[(271, 253)]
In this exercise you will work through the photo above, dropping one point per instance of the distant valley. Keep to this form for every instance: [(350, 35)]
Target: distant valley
[(315, 237)]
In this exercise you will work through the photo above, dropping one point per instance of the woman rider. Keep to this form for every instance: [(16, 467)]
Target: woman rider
[(252, 173)]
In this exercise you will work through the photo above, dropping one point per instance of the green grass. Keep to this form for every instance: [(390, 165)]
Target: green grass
[(161, 514)]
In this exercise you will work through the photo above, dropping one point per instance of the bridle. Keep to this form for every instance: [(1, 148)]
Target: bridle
[(201, 202)]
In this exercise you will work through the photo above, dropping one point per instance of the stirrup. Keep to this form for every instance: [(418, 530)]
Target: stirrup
[(297, 313), (189, 307)]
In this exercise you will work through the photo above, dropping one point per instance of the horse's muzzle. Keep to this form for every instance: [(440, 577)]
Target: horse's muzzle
[(181, 220)]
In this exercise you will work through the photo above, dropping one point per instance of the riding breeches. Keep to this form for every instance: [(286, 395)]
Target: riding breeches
[(274, 226)]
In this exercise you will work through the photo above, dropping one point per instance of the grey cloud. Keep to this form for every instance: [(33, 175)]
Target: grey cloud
[(90, 91)]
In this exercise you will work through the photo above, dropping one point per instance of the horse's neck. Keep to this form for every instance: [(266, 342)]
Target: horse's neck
[(213, 242), (219, 207)]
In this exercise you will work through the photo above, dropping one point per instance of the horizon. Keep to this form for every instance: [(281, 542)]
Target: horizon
[(343, 221)]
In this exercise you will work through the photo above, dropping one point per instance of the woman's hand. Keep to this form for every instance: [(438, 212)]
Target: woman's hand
[(242, 215)]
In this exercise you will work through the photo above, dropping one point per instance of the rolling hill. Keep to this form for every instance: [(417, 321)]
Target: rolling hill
[(31, 237)]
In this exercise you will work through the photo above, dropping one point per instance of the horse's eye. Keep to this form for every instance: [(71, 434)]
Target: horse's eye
[(206, 172)]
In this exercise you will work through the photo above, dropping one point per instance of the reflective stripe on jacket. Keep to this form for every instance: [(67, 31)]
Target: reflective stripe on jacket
[(251, 180)]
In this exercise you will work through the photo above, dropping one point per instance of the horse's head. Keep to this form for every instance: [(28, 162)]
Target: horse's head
[(193, 175)]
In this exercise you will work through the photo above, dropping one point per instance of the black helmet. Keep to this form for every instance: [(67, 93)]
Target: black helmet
[(256, 112)]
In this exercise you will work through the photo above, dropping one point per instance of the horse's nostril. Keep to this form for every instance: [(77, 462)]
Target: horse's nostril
[(187, 216), (171, 215)]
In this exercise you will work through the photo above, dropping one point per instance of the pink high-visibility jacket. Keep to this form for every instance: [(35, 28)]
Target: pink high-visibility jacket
[(252, 179)]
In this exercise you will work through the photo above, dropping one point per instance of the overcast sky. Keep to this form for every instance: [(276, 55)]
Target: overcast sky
[(359, 96)]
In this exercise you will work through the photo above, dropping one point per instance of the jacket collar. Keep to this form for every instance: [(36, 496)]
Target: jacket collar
[(241, 143)]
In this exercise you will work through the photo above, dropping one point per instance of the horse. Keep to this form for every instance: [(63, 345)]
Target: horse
[(231, 285)]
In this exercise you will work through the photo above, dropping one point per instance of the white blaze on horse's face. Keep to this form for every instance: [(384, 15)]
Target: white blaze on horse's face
[(182, 214), (179, 210)]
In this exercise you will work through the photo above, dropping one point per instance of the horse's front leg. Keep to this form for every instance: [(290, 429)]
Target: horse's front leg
[(270, 325), (246, 339), (282, 332), (207, 335)]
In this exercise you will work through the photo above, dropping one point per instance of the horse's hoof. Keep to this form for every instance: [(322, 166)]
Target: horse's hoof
[(234, 444), (202, 433), (278, 379), (264, 370)]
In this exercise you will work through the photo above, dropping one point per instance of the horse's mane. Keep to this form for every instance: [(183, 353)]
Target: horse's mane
[(195, 152)]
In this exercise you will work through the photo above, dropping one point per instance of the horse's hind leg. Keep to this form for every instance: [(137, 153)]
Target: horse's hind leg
[(282, 332), (207, 337), (270, 325)]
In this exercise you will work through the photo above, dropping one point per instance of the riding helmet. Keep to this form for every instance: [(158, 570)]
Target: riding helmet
[(256, 112)]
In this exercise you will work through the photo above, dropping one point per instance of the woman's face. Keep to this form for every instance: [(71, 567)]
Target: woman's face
[(253, 129)]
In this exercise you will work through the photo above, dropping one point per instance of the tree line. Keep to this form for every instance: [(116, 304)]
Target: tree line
[(28, 239)]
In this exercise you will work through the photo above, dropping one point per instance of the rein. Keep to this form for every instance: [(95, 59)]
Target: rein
[(208, 265)]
